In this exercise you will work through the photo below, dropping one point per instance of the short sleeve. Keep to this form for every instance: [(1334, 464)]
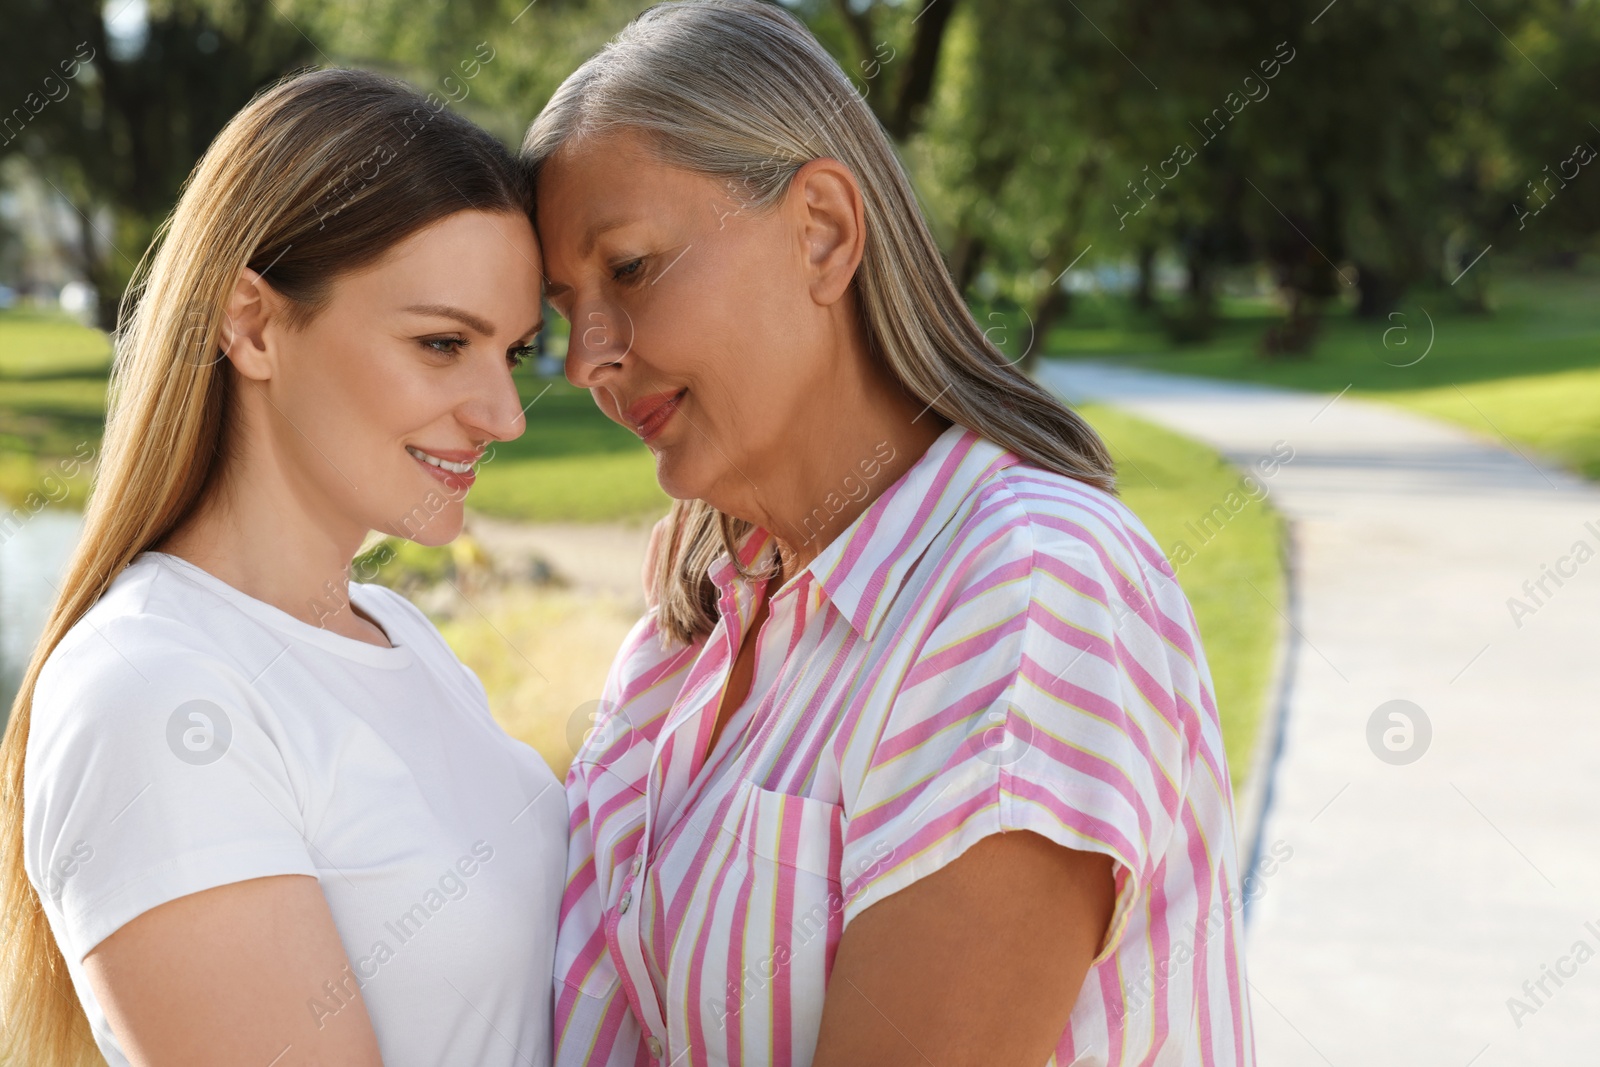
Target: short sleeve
[(152, 773), (1038, 704)]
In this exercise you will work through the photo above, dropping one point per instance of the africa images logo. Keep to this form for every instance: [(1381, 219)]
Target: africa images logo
[(199, 732)]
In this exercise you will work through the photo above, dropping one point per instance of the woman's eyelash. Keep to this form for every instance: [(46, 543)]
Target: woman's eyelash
[(451, 345), (627, 270)]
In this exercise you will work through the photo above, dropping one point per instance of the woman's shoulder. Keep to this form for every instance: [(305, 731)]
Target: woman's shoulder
[(145, 620), (132, 674), (647, 656), (640, 688), (1026, 515)]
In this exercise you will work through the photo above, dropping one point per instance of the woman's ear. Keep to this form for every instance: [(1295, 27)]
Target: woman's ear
[(827, 200), (245, 317)]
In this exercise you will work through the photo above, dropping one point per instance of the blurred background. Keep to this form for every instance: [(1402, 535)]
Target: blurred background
[(1244, 189), (1247, 189), (1306, 195)]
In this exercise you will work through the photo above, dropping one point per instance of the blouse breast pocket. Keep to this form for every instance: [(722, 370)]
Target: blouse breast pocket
[(788, 914), (799, 833)]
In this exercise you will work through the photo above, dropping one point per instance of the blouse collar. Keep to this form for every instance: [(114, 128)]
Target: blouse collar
[(864, 568)]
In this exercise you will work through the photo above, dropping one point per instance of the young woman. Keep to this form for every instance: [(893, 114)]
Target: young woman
[(915, 760), (257, 813)]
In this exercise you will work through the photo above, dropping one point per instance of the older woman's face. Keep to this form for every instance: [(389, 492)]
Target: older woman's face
[(693, 323)]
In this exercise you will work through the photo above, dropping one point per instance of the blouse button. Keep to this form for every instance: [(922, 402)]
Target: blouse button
[(637, 866), (624, 903), (653, 1043)]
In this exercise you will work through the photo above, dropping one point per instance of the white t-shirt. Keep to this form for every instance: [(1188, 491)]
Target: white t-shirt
[(186, 736)]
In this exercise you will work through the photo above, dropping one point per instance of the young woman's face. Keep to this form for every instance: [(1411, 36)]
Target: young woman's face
[(692, 320), (401, 381)]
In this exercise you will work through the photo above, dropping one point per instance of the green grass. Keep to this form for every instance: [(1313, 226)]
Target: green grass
[(37, 345), (1171, 481), (572, 464), (52, 403), (1557, 415), (1529, 372)]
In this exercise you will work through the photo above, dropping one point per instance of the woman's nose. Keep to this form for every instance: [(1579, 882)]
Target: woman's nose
[(494, 409), (600, 339)]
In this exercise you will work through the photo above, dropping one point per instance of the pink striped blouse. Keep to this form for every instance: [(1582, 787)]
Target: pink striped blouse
[(989, 647)]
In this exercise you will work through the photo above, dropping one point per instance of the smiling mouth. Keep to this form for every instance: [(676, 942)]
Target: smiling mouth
[(442, 464), (648, 417)]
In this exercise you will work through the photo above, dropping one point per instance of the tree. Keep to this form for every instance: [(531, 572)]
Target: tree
[(891, 50), (133, 117), (1542, 194)]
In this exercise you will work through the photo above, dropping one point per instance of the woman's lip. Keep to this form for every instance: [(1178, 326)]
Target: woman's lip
[(459, 483), (650, 414), (453, 455)]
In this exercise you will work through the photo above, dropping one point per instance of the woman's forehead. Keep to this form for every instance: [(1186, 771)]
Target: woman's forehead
[(613, 180)]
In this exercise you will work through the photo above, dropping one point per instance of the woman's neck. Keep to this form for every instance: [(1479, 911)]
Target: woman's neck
[(863, 439), (253, 534)]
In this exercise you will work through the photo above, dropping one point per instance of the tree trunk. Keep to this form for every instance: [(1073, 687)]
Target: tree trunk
[(1196, 318), (1296, 335), (1144, 292), (916, 87), (966, 260), (1379, 292), (1051, 307)]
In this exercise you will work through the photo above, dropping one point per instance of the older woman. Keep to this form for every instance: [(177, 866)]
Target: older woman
[(914, 758)]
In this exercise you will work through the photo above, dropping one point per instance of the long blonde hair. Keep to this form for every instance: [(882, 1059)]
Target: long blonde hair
[(741, 91), (317, 176)]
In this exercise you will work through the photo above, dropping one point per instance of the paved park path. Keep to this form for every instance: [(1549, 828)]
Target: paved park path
[(1421, 896)]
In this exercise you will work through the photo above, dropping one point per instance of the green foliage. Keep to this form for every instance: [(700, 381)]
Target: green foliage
[(1550, 197), (405, 565), (534, 46), (119, 130), (1397, 143)]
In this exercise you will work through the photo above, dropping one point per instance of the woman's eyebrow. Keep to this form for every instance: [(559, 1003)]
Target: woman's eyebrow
[(600, 226), (466, 318)]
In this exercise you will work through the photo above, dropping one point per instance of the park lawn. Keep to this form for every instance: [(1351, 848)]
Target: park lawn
[(1234, 582), (572, 464), (36, 345), (1528, 373), (52, 402), (1553, 415)]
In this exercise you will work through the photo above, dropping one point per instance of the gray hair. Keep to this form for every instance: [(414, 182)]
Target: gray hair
[(740, 91)]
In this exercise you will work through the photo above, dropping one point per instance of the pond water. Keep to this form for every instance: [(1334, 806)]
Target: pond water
[(32, 559)]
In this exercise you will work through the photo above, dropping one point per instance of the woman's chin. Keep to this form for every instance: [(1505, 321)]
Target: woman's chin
[(430, 530), (678, 482), (439, 534), (669, 476)]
